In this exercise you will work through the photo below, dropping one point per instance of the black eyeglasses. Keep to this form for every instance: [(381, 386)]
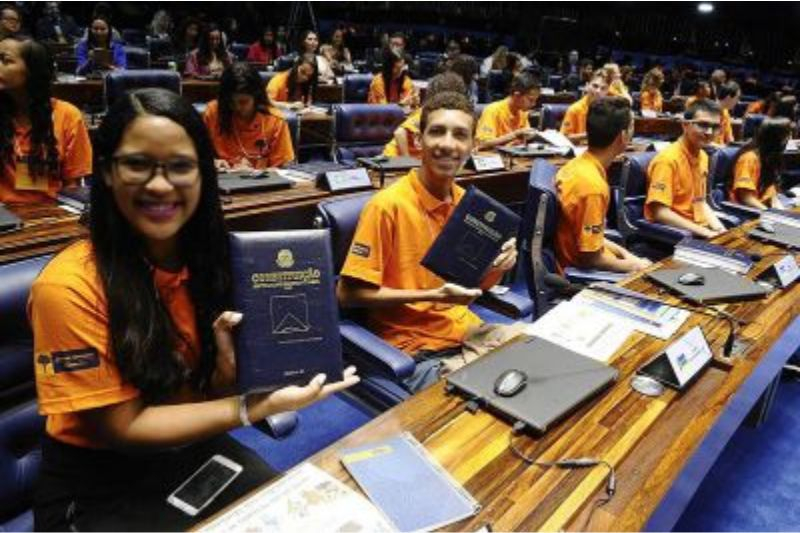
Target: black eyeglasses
[(137, 169), (702, 125)]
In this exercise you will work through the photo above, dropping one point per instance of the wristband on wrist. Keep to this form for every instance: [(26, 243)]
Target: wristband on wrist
[(243, 416)]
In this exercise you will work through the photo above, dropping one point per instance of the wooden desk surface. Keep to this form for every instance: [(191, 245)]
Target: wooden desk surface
[(648, 440)]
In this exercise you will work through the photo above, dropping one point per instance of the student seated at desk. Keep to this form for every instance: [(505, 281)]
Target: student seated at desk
[(296, 87), (135, 367), (265, 50), (407, 305), (677, 176), (506, 121), (210, 57), (44, 143), (765, 106), (392, 85), (99, 51), (650, 98), (584, 194), (757, 166), (616, 85), (247, 132), (702, 91), (406, 141), (728, 96), (574, 123)]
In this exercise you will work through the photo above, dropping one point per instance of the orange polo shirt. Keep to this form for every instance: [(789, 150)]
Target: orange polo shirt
[(690, 101), (278, 89), (379, 95), (651, 101), (396, 228), (725, 133), (575, 118), (755, 108), (74, 159), (410, 127), (618, 88), (264, 141), (497, 120), (678, 179), (583, 198), (746, 177), (75, 369)]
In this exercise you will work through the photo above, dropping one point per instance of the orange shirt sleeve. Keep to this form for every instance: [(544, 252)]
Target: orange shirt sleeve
[(746, 174), (487, 125), (590, 215), (76, 146), (211, 120), (407, 89), (661, 184), (372, 245), (725, 135), (572, 119), (281, 149), (278, 89), (377, 91)]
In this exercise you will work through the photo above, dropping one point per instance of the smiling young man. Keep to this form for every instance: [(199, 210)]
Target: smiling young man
[(677, 176), (408, 306), (574, 123), (506, 121)]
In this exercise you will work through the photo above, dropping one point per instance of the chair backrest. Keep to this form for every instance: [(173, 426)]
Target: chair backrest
[(356, 88), (365, 124), (119, 82), (751, 124), (497, 84), (633, 188), (159, 48), (537, 231), (134, 36), (341, 215), (479, 111), (553, 115), (239, 50), (137, 58), (15, 284), (740, 109), (267, 75), (720, 170), (284, 63), (554, 81)]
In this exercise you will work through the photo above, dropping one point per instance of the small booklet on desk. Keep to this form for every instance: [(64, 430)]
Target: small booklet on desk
[(407, 484), (283, 284), (471, 239)]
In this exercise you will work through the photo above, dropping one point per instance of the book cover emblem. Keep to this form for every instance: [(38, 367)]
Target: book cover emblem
[(285, 259), (490, 216)]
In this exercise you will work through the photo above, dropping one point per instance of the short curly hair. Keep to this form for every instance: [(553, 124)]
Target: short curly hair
[(446, 100)]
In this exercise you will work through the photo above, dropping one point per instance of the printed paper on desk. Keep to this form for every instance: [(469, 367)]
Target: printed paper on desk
[(689, 354), (649, 113), (305, 499), (556, 138), (599, 335)]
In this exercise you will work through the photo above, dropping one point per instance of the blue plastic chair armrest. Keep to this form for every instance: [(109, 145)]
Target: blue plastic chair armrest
[(744, 212), (614, 236), (511, 304), (728, 219), (367, 348), (661, 232), (590, 276)]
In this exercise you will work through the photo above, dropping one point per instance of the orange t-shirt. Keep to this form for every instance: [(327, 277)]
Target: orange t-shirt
[(583, 198), (746, 177), (410, 127), (74, 159), (575, 118), (725, 134), (264, 142), (396, 228), (75, 369), (678, 179), (497, 120), (755, 108), (652, 100), (690, 101), (278, 89), (378, 95)]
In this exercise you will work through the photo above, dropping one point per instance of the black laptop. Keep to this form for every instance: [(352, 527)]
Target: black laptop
[(236, 182), (783, 236), (715, 285), (390, 164)]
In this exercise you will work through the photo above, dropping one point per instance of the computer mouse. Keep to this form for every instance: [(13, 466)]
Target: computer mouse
[(510, 382), (690, 278), (766, 226)]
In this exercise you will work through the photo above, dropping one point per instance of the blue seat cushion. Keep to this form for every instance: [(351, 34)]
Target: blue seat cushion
[(23, 522)]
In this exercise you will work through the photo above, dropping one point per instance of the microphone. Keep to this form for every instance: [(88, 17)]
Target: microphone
[(561, 285)]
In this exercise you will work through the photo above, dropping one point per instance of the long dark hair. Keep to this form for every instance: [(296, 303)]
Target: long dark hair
[(310, 88), (90, 38), (273, 48), (390, 57), (43, 158), (769, 143), (301, 42), (239, 78), (204, 51), (143, 337)]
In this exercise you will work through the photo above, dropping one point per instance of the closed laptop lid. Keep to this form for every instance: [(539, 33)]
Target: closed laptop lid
[(558, 380), (784, 235), (718, 285), (237, 182), (390, 163), (8, 220)]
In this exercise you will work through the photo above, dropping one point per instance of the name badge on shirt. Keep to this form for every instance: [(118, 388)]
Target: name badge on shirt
[(23, 179)]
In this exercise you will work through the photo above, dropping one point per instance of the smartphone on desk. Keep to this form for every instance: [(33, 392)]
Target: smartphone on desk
[(204, 485)]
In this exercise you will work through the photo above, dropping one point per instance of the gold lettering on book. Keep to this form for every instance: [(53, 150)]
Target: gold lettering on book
[(286, 279)]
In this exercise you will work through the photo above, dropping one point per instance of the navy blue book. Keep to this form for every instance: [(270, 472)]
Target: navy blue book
[(283, 283), (471, 239)]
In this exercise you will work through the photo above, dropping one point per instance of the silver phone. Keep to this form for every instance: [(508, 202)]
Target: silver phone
[(204, 485)]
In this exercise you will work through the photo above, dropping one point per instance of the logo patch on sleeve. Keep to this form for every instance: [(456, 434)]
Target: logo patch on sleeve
[(659, 186), (74, 360), (360, 249), (593, 229)]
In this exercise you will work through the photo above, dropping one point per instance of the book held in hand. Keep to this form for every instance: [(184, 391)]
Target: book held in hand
[(283, 284), (471, 239)]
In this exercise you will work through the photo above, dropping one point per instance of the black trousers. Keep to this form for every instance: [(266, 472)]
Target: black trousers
[(81, 489)]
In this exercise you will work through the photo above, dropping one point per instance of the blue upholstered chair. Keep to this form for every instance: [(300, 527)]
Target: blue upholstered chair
[(137, 58), (719, 175), (362, 130), (497, 83), (552, 116), (239, 51), (119, 82), (537, 235), (356, 88), (751, 124), (554, 81), (159, 48), (134, 36)]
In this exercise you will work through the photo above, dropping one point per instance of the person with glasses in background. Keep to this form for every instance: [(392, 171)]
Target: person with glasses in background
[(10, 21), (247, 132), (135, 365), (678, 176), (44, 143)]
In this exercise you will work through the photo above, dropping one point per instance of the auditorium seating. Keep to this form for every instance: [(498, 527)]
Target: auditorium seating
[(362, 130), (118, 82), (719, 176), (137, 58), (239, 50), (356, 88), (552, 116)]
